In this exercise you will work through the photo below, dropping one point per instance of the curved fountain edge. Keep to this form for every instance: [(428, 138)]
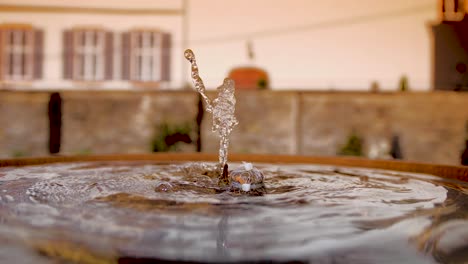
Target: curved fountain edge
[(444, 171)]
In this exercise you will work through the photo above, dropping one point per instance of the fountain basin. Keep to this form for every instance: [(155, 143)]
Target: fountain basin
[(167, 208)]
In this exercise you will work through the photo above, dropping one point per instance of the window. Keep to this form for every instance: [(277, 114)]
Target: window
[(453, 10), (88, 54), (21, 53), (146, 56)]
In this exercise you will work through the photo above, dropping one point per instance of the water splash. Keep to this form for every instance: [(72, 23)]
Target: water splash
[(222, 108)]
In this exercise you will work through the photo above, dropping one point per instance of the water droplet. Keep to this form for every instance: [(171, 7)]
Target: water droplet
[(163, 187)]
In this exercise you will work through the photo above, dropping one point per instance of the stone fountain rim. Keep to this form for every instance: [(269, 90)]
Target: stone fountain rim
[(444, 171)]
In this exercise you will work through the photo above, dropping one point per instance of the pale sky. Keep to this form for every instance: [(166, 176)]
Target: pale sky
[(325, 52)]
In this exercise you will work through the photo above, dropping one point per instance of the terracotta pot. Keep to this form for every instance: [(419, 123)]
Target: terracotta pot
[(250, 78)]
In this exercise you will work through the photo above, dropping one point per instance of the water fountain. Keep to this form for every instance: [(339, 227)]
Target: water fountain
[(170, 207), (222, 108)]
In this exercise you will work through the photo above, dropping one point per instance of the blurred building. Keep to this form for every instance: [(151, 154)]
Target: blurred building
[(451, 47), (79, 47)]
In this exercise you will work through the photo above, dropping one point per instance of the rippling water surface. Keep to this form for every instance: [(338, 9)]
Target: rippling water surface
[(129, 212)]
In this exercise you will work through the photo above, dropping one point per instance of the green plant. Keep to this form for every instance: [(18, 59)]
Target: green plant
[(84, 152), (375, 87), (262, 84), (404, 84), (18, 154), (168, 136), (353, 146)]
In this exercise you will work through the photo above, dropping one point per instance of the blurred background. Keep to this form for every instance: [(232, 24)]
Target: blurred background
[(377, 79)]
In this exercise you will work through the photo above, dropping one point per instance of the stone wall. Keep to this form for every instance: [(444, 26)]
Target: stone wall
[(24, 125), (267, 124), (121, 122), (430, 126)]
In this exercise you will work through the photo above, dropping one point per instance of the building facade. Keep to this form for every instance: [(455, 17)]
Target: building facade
[(450, 47), (67, 48)]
